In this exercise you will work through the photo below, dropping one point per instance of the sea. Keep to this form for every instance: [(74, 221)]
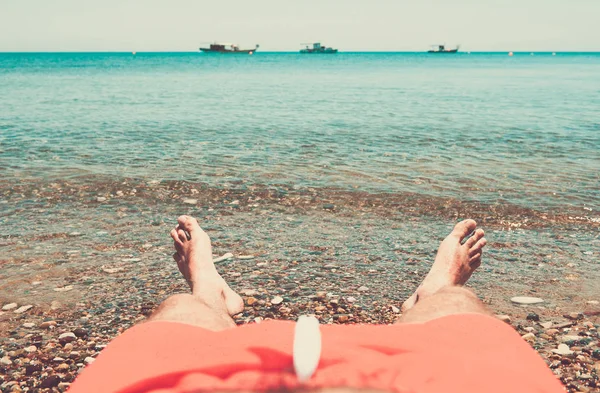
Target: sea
[(487, 127), (363, 160)]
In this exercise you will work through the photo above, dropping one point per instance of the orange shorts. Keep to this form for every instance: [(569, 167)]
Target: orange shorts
[(458, 353)]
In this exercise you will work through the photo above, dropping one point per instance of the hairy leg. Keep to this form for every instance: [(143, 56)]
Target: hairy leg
[(212, 302), (441, 291)]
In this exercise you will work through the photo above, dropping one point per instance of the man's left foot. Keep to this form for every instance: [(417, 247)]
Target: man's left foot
[(194, 260)]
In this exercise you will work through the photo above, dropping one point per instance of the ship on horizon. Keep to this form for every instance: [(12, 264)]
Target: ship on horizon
[(220, 47), (442, 49), (317, 48)]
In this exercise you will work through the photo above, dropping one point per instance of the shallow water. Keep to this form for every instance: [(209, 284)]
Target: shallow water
[(483, 127)]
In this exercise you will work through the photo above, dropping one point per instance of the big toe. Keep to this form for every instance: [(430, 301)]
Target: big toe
[(464, 228), (188, 223)]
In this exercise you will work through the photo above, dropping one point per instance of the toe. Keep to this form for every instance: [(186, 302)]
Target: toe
[(478, 247), (188, 223), (475, 260), (182, 236), (478, 235), (177, 240), (464, 228)]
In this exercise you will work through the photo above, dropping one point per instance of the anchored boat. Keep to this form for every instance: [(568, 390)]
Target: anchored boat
[(317, 48), (219, 47), (442, 49)]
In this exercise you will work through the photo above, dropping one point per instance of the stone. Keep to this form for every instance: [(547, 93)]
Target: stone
[(245, 257), (574, 315), (546, 325), (58, 359), (67, 337), (276, 300), (89, 360), (526, 300), (363, 289), (47, 324), (504, 318), (530, 337), (350, 299), (111, 270), (119, 193), (329, 206), (6, 361), (395, 310), (249, 292), (28, 325), (68, 347), (32, 368), (529, 329), (23, 309), (190, 201), (568, 338), (80, 332), (552, 332), (55, 305), (66, 288), (563, 349), (223, 258), (101, 199), (533, 317), (9, 306), (342, 319), (251, 300), (50, 381), (30, 349), (62, 367), (63, 386), (592, 302)]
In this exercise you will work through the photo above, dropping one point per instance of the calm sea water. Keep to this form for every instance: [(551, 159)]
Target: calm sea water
[(486, 127)]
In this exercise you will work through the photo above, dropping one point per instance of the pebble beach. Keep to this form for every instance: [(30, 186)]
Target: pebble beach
[(70, 286)]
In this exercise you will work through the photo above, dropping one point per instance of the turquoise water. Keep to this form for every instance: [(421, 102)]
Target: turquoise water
[(486, 127)]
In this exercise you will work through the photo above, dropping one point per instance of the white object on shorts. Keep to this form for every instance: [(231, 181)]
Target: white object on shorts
[(307, 347)]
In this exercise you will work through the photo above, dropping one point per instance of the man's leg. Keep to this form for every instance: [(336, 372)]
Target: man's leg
[(212, 303), (441, 292)]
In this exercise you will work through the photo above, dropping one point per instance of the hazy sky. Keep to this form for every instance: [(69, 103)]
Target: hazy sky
[(181, 25)]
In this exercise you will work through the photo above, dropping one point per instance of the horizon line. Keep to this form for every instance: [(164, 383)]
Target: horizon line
[(297, 51)]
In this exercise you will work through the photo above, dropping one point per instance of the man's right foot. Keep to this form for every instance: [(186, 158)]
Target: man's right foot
[(454, 263), (194, 260)]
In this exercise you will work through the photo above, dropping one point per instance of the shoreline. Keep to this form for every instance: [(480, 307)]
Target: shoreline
[(94, 257)]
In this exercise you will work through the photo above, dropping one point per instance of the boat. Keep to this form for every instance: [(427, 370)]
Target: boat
[(317, 48), (442, 49), (219, 47)]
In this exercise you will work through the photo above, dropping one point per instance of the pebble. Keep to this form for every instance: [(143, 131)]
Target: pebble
[(574, 315), (244, 257), (50, 382), (22, 309), (6, 361), (190, 201), (529, 337), (63, 386), (546, 325), (526, 300), (63, 289), (563, 349), (89, 360), (30, 349), (551, 332), (350, 299), (249, 292), (67, 337), (68, 347), (533, 317), (47, 324), (395, 310), (570, 338), (592, 302), (329, 206), (276, 300), (363, 289), (62, 367), (80, 332), (9, 306), (529, 329), (101, 199), (223, 258), (251, 300), (28, 325), (504, 318)]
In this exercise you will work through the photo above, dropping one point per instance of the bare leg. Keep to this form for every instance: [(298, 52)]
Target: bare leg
[(212, 303), (441, 291)]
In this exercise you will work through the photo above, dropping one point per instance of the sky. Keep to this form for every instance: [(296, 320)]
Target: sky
[(281, 25)]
